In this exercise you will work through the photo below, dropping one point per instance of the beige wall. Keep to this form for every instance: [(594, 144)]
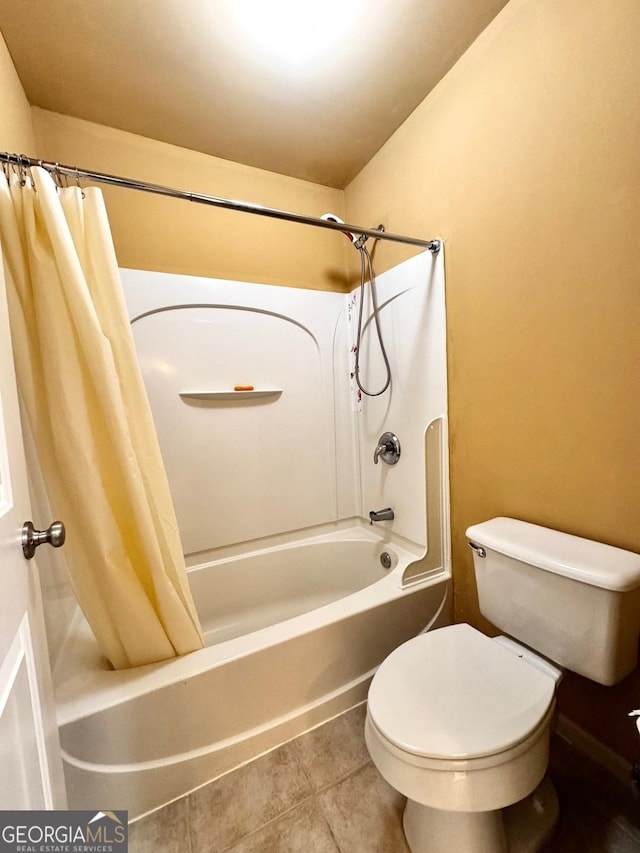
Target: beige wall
[(525, 160), (16, 131), (156, 233)]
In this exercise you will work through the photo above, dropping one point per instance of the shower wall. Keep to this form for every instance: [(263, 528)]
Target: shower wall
[(412, 316), (245, 465), (296, 451)]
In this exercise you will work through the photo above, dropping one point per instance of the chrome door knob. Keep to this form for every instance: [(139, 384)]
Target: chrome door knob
[(54, 535)]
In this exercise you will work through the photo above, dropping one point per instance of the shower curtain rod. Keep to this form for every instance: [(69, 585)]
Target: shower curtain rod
[(23, 162)]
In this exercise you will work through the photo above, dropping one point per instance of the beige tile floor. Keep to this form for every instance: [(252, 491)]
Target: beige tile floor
[(320, 793)]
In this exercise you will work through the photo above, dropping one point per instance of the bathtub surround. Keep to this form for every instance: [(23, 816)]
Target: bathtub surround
[(85, 407), (198, 337)]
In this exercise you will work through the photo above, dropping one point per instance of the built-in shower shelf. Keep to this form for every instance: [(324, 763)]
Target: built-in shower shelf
[(214, 396)]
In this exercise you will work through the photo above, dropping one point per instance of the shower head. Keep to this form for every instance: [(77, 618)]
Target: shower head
[(331, 217)]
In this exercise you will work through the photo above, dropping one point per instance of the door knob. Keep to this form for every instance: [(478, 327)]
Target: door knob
[(54, 535)]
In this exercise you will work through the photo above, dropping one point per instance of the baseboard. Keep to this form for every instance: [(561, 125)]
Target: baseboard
[(594, 749)]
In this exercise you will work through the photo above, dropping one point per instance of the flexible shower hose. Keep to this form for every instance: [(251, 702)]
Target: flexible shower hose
[(365, 262)]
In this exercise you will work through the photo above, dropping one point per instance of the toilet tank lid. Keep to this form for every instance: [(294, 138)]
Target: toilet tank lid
[(583, 560)]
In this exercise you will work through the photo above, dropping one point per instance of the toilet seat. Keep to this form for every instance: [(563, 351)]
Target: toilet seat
[(468, 785), (454, 694)]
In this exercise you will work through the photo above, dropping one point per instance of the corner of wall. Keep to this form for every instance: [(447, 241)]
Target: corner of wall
[(16, 127)]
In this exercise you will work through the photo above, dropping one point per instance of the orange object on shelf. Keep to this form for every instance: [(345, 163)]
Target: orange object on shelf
[(243, 388)]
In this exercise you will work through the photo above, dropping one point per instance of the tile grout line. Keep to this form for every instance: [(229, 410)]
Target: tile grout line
[(320, 790), (328, 822), (346, 776), (300, 762), (335, 781), (274, 819), (305, 799), (327, 788), (188, 808), (313, 795)]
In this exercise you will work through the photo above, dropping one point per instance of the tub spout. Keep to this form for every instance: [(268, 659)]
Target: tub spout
[(381, 515)]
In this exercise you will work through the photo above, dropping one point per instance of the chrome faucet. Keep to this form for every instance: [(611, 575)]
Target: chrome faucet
[(388, 449), (381, 515), (381, 448)]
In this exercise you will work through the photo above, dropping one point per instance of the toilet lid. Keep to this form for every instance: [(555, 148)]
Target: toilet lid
[(455, 693)]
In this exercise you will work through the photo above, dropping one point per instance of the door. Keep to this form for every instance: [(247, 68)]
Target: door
[(31, 769)]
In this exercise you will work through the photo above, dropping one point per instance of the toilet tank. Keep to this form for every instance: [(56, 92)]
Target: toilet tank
[(575, 601)]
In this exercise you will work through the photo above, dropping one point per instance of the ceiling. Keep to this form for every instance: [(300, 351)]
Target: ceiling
[(188, 73)]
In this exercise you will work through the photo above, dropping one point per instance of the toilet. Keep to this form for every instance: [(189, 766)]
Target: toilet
[(460, 723)]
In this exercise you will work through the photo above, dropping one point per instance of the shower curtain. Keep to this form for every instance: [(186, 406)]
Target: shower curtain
[(85, 408)]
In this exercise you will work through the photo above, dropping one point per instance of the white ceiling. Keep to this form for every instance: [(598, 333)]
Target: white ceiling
[(186, 72)]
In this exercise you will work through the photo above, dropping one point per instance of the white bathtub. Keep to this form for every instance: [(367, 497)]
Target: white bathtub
[(294, 631)]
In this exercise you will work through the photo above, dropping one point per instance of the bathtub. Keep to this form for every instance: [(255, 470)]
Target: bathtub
[(293, 641)]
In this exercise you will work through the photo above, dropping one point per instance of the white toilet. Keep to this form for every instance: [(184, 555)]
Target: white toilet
[(460, 723)]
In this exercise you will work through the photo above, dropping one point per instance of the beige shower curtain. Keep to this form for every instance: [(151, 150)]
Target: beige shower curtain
[(87, 412)]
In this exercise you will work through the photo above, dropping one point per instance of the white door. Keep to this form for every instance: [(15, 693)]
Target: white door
[(30, 763)]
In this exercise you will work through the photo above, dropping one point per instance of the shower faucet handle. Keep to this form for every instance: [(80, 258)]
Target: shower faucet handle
[(388, 449)]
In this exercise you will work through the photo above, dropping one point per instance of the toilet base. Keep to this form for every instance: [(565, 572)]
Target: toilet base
[(523, 827)]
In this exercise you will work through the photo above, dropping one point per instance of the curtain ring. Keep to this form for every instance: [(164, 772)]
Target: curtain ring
[(57, 177), (23, 164), (78, 182)]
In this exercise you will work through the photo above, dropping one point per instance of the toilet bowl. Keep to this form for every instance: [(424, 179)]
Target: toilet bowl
[(460, 725)]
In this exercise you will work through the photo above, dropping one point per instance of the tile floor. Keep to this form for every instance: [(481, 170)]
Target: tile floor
[(320, 793)]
